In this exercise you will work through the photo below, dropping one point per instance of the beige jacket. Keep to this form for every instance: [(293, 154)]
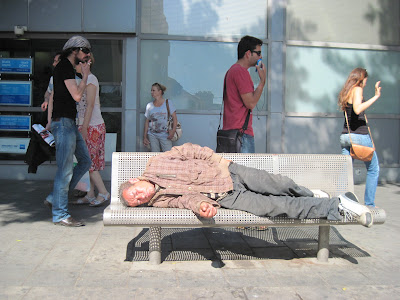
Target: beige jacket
[(185, 174)]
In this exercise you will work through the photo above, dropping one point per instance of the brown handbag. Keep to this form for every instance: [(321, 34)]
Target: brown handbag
[(361, 152)]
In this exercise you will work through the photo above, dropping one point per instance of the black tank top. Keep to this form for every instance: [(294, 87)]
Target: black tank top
[(356, 122)]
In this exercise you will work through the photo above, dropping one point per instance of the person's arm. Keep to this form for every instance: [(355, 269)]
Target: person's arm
[(146, 141), (358, 105), (46, 101), (250, 100), (90, 100), (175, 122), (75, 90), (50, 110), (198, 203)]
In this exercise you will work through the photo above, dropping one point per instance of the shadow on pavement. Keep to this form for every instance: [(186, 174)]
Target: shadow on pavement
[(218, 244)]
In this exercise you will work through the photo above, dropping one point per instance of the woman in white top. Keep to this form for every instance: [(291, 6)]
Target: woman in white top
[(93, 130), (156, 133)]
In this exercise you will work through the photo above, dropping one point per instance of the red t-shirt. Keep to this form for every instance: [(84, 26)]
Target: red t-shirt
[(238, 82)]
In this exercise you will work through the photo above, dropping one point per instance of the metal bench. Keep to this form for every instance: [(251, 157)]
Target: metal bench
[(328, 172)]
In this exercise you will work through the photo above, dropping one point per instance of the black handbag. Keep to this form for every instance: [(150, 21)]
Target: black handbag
[(230, 141)]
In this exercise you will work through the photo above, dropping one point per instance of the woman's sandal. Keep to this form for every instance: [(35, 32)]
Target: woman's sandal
[(83, 201), (95, 202)]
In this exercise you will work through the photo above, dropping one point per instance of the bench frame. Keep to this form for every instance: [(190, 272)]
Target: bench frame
[(328, 172)]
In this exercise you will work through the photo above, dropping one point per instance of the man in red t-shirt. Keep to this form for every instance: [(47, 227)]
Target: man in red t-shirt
[(239, 94)]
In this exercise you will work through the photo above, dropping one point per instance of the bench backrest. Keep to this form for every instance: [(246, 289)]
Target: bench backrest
[(329, 172)]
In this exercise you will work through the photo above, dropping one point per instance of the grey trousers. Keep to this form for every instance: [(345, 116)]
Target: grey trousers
[(264, 194)]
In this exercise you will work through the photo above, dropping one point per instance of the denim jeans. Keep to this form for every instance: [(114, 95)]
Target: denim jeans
[(265, 194), (69, 141), (372, 166), (159, 144), (248, 144)]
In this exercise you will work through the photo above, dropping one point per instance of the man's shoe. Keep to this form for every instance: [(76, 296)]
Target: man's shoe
[(320, 194), (48, 204), (351, 209), (352, 196), (70, 222)]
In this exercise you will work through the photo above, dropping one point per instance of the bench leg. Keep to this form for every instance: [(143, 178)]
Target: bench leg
[(155, 245), (323, 243)]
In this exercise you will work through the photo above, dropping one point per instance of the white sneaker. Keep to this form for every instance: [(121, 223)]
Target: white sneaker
[(350, 209), (320, 194), (352, 196)]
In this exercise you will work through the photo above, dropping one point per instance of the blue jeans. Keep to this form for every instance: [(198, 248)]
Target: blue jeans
[(69, 141), (159, 144), (372, 166), (248, 144)]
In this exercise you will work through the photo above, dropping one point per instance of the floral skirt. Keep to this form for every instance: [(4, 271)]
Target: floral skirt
[(95, 142)]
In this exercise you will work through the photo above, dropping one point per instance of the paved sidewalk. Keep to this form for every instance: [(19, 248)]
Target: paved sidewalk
[(39, 260)]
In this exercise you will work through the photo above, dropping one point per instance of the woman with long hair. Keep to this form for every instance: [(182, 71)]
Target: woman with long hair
[(352, 101)]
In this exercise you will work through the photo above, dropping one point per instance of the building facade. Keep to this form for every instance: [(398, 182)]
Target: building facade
[(310, 47)]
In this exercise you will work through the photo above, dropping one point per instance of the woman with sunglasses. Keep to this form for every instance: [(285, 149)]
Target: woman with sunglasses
[(351, 100), (156, 133)]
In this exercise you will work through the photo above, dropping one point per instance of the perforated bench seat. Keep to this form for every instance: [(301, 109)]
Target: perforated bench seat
[(328, 172)]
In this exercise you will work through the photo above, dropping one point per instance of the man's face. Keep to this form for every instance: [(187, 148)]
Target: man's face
[(82, 55), (254, 55), (139, 193)]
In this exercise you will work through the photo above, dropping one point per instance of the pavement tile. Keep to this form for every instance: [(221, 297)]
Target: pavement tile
[(14, 274), (49, 278), (240, 278), (150, 279), (201, 279), (156, 293), (120, 293), (217, 293), (51, 293), (273, 293), (13, 292)]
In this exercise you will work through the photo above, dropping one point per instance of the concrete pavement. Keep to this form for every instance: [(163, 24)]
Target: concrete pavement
[(39, 260)]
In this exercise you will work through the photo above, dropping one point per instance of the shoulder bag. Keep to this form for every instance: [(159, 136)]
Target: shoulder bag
[(361, 152), (170, 125)]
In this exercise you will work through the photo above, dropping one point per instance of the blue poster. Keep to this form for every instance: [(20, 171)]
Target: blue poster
[(15, 123), (16, 65), (15, 93)]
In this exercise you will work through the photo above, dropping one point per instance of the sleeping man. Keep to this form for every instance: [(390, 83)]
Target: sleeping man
[(196, 178)]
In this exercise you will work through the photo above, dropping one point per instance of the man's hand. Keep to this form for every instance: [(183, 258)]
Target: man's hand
[(207, 210), (262, 72), (85, 68)]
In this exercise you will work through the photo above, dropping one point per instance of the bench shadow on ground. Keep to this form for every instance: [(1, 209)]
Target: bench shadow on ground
[(219, 244)]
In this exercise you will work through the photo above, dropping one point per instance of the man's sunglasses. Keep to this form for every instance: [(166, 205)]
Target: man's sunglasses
[(256, 52), (87, 50)]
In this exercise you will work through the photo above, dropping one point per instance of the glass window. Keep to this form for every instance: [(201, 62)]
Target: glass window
[(193, 72), (107, 68), (109, 16), (315, 76), (57, 15), (358, 21), (233, 18)]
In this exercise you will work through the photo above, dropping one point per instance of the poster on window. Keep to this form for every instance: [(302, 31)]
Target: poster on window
[(15, 123), (16, 65), (16, 93)]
